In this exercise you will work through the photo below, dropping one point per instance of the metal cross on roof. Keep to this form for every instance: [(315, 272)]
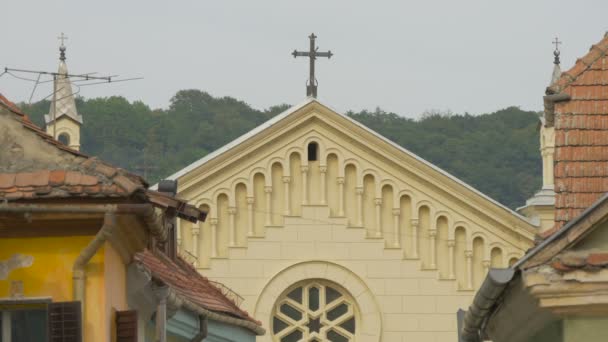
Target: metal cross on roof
[(312, 54), (557, 42), (63, 38), (556, 52)]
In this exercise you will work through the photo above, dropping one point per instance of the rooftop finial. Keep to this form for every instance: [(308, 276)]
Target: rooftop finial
[(62, 38), (556, 51), (312, 54)]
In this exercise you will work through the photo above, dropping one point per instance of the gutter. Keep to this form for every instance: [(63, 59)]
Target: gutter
[(202, 329), (176, 300), (484, 302), (78, 270), (146, 211), (497, 280)]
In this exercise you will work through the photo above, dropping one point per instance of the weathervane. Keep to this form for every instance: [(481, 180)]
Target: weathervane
[(556, 52), (312, 54)]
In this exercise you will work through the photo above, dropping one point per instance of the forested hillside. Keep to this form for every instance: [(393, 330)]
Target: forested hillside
[(496, 153)]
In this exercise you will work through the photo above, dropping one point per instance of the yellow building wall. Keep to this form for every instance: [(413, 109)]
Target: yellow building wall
[(115, 286), (50, 275)]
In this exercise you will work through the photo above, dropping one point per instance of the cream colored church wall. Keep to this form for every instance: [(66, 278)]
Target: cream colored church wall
[(416, 251), (66, 126)]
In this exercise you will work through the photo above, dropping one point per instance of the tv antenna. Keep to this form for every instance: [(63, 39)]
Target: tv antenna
[(77, 80)]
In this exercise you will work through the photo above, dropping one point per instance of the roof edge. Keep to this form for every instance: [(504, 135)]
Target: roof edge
[(310, 100)]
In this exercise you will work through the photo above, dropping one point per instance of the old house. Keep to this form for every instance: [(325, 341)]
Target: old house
[(557, 291), (88, 252)]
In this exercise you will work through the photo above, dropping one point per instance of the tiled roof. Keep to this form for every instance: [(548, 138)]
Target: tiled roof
[(86, 177), (187, 282), (80, 177), (571, 261), (93, 179), (581, 135)]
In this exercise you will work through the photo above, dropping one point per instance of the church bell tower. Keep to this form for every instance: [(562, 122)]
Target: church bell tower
[(541, 207), (63, 121)]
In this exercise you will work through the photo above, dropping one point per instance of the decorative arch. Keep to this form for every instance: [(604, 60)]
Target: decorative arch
[(289, 152), (407, 193), (275, 160), (370, 314), (338, 153), (425, 203), (316, 139), (376, 176), (261, 171), (244, 181), (443, 213), (393, 185), (357, 165), (223, 191), (456, 225), (64, 129)]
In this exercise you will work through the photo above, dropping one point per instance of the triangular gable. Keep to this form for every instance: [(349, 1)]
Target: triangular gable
[(425, 168)]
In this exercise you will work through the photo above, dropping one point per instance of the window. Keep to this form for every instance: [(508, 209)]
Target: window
[(314, 311), (31, 321), (313, 151), (64, 138), (126, 326)]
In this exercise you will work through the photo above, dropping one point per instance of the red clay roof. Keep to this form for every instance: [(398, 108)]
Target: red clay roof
[(581, 135), (590, 261), (187, 282), (92, 179), (86, 178)]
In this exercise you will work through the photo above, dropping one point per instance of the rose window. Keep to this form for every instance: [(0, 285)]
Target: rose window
[(314, 311)]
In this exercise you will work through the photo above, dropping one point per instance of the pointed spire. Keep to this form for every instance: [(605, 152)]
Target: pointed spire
[(63, 102), (556, 68)]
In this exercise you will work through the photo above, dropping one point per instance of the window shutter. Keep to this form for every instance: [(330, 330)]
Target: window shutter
[(126, 326), (65, 322)]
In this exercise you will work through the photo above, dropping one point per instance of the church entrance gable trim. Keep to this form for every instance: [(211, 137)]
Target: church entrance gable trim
[(369, 309), (192, 175)]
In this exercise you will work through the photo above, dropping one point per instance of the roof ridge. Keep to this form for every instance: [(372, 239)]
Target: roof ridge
[(596, 51)]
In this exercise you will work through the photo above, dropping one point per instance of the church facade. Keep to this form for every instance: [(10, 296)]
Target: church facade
[(330, 232)]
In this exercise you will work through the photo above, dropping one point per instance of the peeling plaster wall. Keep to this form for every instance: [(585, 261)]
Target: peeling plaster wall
[(23, 150)]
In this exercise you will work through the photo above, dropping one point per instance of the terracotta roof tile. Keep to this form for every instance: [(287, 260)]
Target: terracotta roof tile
[(57, 177), (598, 259), (187, 282), (38, 178), (581, 135), (589, 261), (84, 177), (7, 180)]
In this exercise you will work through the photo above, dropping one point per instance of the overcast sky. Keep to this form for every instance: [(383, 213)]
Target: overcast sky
[(404, 56)]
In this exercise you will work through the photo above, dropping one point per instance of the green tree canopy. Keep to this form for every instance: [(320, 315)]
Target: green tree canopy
[(497, 153)]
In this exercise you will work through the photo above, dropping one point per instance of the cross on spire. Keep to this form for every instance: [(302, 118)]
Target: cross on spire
[(556, 52), (312, 54), (63, 38)]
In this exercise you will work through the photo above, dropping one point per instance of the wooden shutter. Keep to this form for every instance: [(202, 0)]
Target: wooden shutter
[(65, 322), (126, 326)]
